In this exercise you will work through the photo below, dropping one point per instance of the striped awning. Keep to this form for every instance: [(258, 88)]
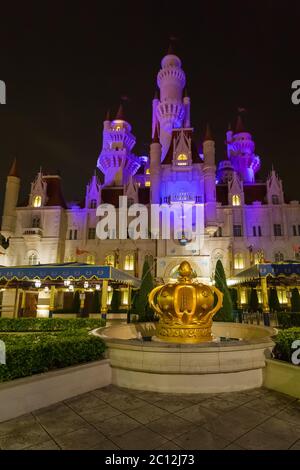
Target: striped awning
[(258, 271), (74, 271)]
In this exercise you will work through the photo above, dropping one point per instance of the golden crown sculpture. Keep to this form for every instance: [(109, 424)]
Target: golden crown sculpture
[(185, 309)]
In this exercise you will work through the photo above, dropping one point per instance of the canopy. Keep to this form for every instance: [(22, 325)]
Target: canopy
[(258, 271), (74, 271)]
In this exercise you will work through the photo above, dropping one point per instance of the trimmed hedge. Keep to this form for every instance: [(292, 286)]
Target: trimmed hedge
[(49, 324), (288, 319), (282, 349), (66, 343)]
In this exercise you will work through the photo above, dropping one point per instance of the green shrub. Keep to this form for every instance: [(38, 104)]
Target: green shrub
[(288, 320), (226, 311), (36, 345), (284, 340), (49, 324)]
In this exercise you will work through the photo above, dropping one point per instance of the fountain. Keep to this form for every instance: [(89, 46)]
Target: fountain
[(186, 353)]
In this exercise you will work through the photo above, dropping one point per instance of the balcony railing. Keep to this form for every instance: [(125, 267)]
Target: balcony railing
[(33, 231)]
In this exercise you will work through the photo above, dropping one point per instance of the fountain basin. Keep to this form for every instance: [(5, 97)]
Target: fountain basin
[(212, 367)]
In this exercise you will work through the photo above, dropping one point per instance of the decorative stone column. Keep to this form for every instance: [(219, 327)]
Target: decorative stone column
[(264, 294), (51, 301)]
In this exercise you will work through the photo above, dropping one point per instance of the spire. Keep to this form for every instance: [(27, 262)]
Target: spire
[(107, 117), (239, 125), (208, 134), (120, 113), (155, 139), (14, 169), (172, 48), (229, 126)]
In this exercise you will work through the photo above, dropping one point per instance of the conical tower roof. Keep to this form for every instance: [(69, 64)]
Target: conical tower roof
[(14, 169), (120, 114), (208, 134), (239, 125)]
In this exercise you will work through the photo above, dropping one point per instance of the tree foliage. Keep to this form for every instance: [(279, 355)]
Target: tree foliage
[(225, 313)]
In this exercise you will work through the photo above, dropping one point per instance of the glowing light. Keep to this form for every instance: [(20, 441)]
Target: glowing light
[(236, 200), (97, 286), (71, 288), (147, 184), (129, 263), (67, 282), (86, 284), (37, 201), (46, 289), (37, 283)]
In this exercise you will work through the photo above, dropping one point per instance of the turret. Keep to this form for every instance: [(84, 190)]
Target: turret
[(241, 152), (10, 201), (116, 160), (170, 110), (155, 168), (187, 109), (209, 171)]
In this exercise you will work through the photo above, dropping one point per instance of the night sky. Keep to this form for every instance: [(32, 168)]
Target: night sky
[(66, 63)]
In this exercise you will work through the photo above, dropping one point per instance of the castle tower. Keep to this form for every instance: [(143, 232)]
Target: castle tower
[(171, 109), (10, 201), (155, 168), (92, 197), (209, 171), (240, 149), (116, 160)]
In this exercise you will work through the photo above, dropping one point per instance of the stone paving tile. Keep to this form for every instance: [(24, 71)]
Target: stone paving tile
[(291, 414), (238, 398), (59, 419), (246, 416), (295, 446), (23, 437), (99, 414), (117, 425), (200, 439), (282, 429), (141, 438), (170, 426), (84, 438), (127, 403), (197, 414), (169, 445), (150, 397), (218, 405), (260, 440), (172, 403), (234, 446), (47, 445), (84, 402), (15, 424), (267, 407), (110, 393), (147, 413)]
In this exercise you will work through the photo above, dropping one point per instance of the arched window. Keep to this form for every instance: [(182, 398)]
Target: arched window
[(110, 260), (33, 258), (35, 222), (37, 201), (129, 262), (257, 258), (93, 204), (238, 261), (279, 257), (71, 259), (90, 259), (182, 159), (236, 200), (275, 199)]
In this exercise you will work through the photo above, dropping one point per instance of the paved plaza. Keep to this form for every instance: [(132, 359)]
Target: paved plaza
[(112, 418)]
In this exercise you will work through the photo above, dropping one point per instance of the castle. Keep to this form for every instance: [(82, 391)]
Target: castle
[(246, 220)]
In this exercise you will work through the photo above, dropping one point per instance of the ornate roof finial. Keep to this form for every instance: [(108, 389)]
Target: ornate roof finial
[(14, 169), (208, 134), (120, 114)]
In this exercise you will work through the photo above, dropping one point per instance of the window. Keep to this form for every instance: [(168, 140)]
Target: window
[(73, 234), (259, 231), (237, 231), (238, 261), (236, 200), (297, 256), (35, 222), (257, 258), (93, 204), (124, 297), (148, 171), (254, 231), (71, 259), (182, 159), (299, 230), (219, 232), (275, 199), (147, 184), (129, 263), (110, 260), (282, 297), (90, 259), (92, 233), (33, 259), (294, 230), (37, 201), (277, 230), (278, 257)]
